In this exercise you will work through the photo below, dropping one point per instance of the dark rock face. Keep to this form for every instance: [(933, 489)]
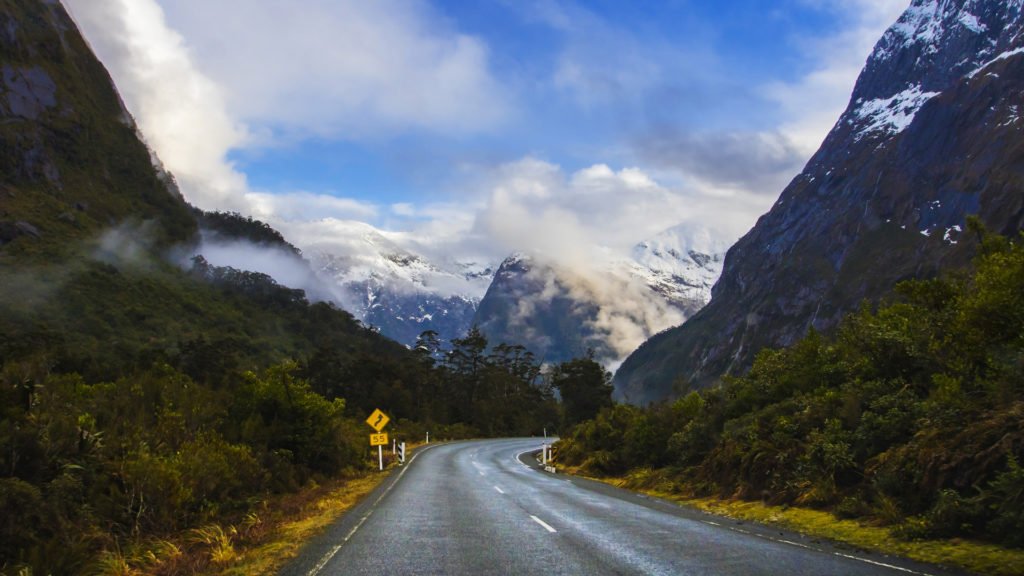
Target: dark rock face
[(64, 139), (404, 316), (29, 91), (10, 231), (526, 304), (932, 134), (559, 311)]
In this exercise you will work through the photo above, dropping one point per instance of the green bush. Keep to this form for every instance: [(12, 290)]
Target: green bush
[(1004, 499)]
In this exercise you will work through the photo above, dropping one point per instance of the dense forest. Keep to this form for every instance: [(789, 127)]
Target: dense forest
[(101, 453), (910, 415), (143, 400)]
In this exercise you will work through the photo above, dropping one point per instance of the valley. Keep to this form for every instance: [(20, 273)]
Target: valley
[(227, 237)]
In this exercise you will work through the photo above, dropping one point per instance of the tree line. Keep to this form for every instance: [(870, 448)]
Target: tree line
[(102, 457)]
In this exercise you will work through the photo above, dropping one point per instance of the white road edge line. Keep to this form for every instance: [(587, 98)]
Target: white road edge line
[(882, 564), (518, 454), (840, 554), (334, 551), (543, 523), (500, 491), (797, 544), (741, 531)]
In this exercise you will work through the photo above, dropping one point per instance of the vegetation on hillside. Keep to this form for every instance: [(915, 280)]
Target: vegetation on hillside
[(144, 402), (910, 415), (233, 226)]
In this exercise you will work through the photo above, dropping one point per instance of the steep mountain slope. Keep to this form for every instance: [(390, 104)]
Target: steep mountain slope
[(88, 225), (71, 161), (681, 264), (560, 313), (932, 134), (140, 399)]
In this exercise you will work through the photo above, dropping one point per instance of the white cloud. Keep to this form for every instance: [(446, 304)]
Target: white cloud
[(305, 206), (343, 67), (578, 219), (811, 105), (337, 69), (181, 112), (598, 212)]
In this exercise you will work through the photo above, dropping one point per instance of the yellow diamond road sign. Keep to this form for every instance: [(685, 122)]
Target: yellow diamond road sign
[(379, 439), (378, 420)]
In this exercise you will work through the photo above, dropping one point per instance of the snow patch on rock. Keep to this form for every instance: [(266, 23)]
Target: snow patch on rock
[(891, 115)]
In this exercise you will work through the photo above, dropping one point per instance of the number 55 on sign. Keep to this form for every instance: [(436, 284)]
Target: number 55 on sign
[(379, 439)]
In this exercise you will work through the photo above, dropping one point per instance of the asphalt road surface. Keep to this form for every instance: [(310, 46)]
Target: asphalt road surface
[(481, 508)]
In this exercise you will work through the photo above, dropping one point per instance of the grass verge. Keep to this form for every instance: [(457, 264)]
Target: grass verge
[(317, 511), (977, 557), (289, 534)]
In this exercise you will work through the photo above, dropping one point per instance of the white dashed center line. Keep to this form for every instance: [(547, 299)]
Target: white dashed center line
[(543, 523)]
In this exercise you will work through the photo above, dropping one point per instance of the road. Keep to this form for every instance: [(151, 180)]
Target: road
[(479, 508)]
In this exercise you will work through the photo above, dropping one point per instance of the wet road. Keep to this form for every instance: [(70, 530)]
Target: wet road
[(480, 508)]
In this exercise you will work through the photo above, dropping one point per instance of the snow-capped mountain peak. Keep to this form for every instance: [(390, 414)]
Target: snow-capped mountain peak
[(681, 263), (933, 43)]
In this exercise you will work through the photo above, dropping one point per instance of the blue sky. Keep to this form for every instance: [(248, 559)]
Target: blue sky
[(436, 121), (707, 60)]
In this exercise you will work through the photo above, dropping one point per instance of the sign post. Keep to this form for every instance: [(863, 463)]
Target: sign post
[(378, 420)]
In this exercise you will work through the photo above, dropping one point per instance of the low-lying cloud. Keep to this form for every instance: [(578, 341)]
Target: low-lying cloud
[(284, 266)]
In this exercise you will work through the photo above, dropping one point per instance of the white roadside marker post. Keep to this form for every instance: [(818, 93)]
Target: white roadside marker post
[(428, 437)]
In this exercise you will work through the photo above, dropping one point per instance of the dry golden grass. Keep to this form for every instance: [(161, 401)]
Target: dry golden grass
[(300, 517), (283, 541)]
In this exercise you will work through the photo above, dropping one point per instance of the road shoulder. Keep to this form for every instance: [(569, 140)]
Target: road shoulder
[(716, 513)]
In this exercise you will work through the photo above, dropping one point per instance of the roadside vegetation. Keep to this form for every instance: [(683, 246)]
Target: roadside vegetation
[(909, 417), (159, 420)]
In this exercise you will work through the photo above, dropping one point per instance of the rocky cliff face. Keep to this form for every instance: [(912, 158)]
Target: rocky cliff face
[(529, 304), (71, 161), (932, 134)]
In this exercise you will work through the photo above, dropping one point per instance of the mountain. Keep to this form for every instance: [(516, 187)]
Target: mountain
[(92, 232), (71, 160), (681, 264), (931, 135), (559, 312), (398, 291), (145, 394)]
